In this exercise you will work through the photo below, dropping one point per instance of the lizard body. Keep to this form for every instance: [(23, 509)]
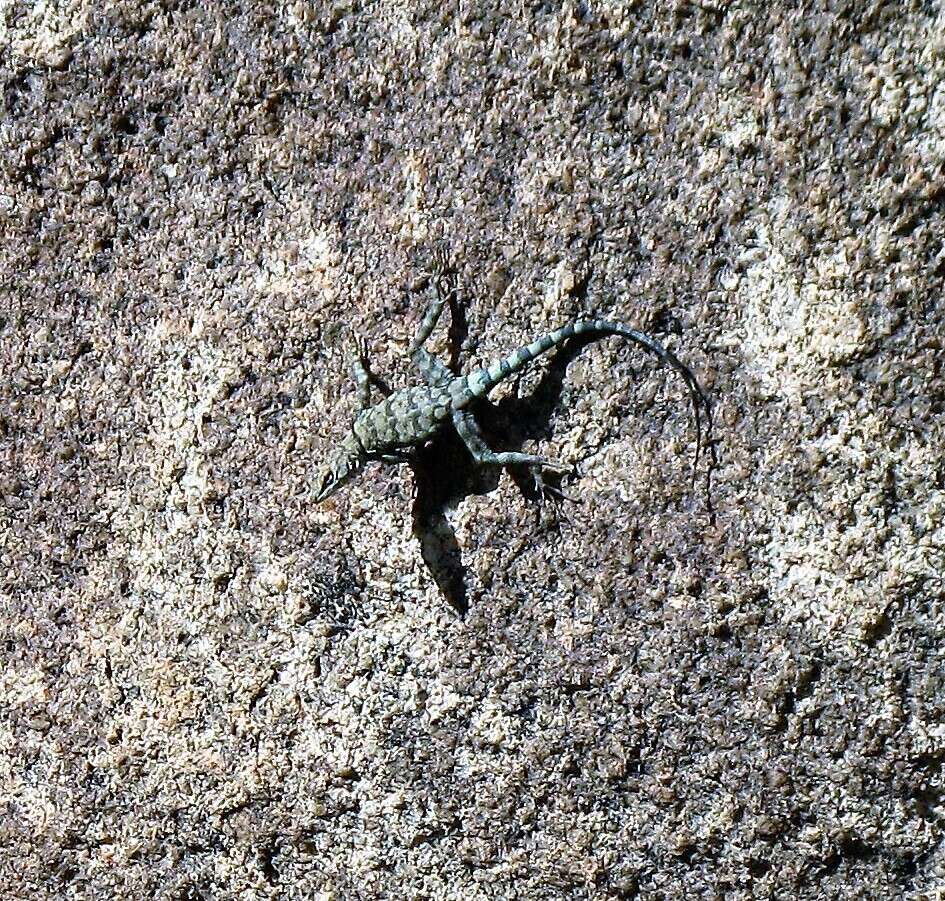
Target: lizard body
[(410, 417)]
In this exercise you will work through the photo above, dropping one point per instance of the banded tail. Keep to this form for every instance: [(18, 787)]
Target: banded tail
[(481, 382)]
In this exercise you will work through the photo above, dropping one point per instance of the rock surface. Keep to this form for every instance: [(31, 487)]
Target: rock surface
[(213, 689)]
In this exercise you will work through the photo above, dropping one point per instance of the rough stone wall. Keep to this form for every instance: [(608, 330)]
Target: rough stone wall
[(210, 688)]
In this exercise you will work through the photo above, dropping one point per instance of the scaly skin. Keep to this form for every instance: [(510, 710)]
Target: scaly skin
[(412, 416)]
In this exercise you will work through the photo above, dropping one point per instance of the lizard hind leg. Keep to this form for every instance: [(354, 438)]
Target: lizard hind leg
[(468, 429), (433, 370), (444, 289)]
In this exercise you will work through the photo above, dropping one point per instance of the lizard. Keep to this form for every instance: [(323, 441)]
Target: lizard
[(412, 416)]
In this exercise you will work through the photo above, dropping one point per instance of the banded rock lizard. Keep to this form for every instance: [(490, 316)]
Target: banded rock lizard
[(410, 417)]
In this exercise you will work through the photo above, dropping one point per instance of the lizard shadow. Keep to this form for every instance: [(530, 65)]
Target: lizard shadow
[(445, 473)]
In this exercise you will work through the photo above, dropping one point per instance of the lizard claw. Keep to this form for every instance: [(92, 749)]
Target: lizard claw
[(551, 501), (443, 275), (441, 261), (360, 348), (550, 491)]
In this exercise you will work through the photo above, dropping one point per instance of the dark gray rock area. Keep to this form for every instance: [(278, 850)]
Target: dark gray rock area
[(433, 686)]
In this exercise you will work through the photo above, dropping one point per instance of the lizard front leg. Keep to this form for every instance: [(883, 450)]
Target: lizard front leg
[(363, 377), (361, 372)]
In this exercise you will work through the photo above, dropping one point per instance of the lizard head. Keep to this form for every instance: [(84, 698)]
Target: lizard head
[(345, 462)]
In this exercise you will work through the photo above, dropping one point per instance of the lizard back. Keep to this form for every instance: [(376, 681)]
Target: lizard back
[(405, 419)]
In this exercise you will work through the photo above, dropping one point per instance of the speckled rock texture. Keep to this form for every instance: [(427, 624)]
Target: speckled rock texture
[(432, 686)]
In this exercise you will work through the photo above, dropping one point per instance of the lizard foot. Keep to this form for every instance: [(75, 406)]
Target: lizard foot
[(551, 490)]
